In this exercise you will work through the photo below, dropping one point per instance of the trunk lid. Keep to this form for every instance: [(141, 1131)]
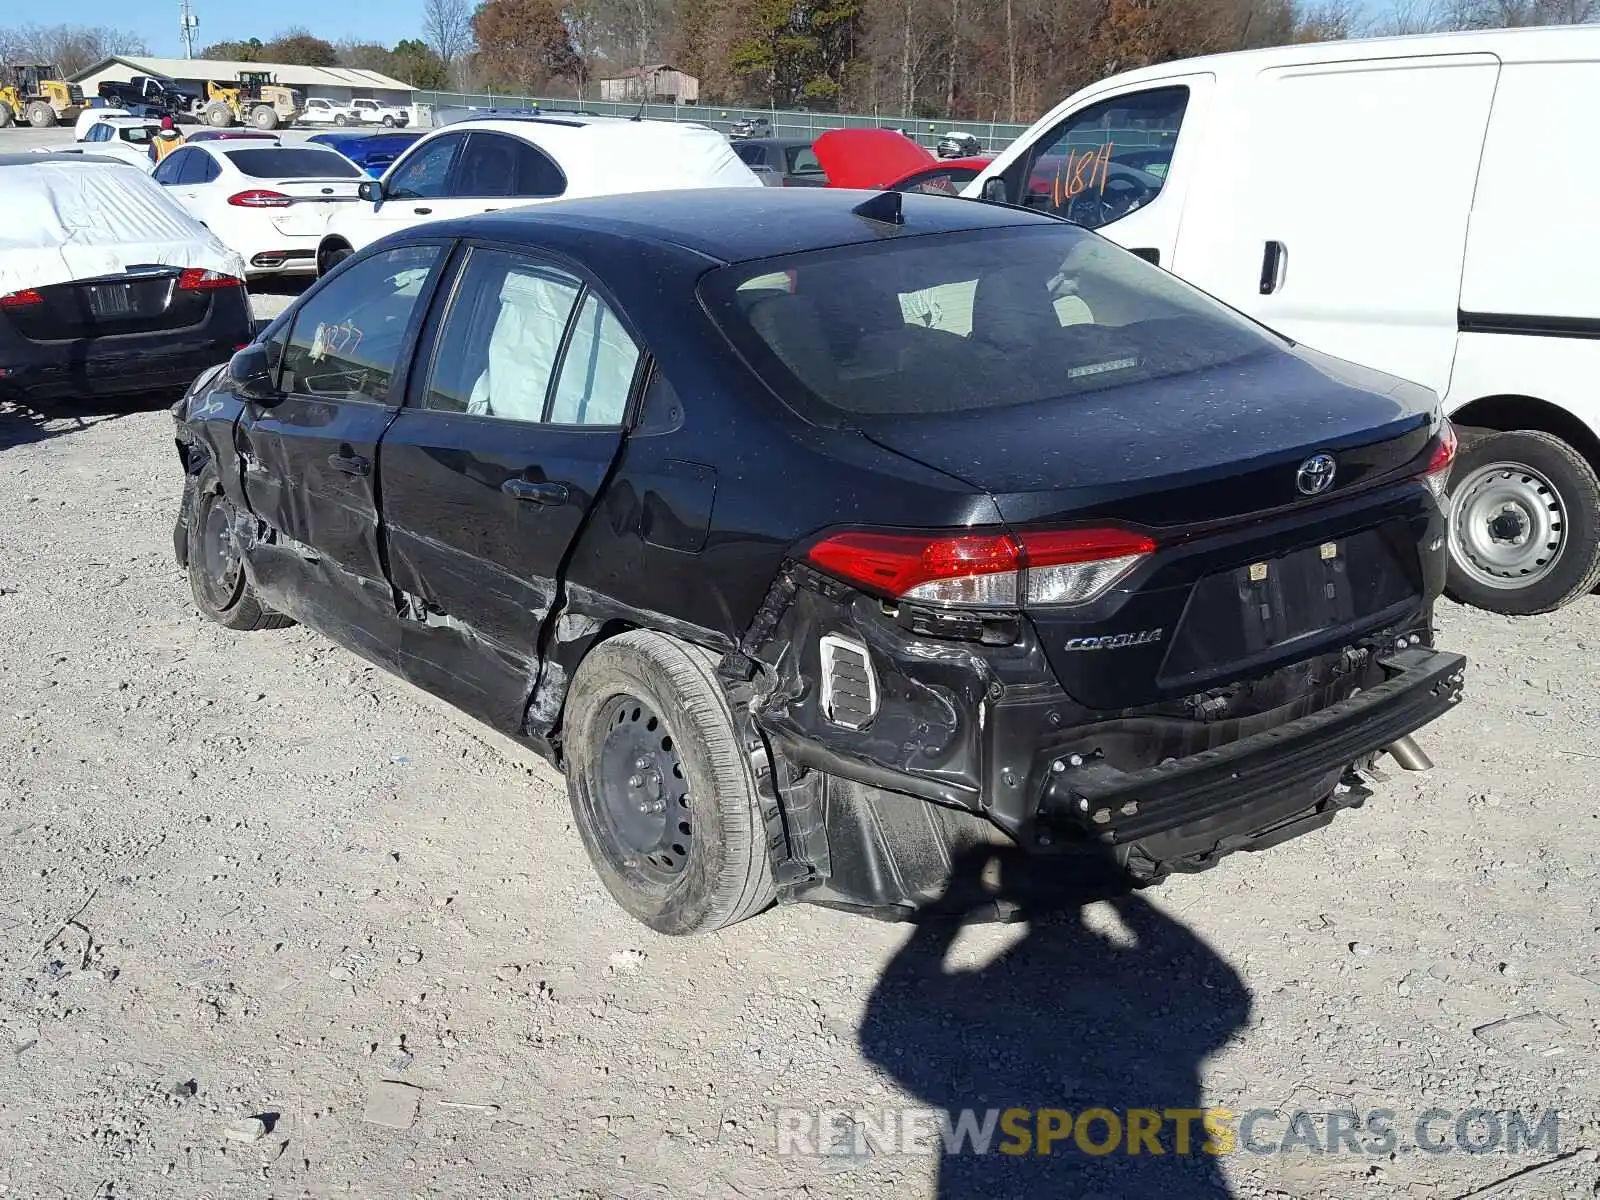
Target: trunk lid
[(314, 202), (142, 300), (1250, 573), (1215, 446)]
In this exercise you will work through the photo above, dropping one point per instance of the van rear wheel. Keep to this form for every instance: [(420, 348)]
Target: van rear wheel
[(1524, 523), (661, 787)]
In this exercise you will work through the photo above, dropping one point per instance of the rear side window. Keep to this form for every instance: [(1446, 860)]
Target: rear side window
[(753, 156), (290, 162), (966, 322), (597, 371), (502, 337), (494, 165), (138, 134)]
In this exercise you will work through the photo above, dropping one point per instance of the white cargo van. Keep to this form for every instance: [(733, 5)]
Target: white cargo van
[(1423, 205)]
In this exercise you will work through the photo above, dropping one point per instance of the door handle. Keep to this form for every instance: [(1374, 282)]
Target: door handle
[(350, 464), (1274, 257), (422, 212), (535, 493)]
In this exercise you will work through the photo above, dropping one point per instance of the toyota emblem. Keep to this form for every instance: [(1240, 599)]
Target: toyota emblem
[(1315, 475)]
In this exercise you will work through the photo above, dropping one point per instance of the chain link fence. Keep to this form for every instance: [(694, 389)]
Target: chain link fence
[(781, 123)]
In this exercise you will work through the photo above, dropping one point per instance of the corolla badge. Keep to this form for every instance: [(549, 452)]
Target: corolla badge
[(1315, 475), (1116, 641)]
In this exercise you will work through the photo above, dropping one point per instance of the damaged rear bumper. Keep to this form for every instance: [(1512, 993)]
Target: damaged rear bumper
[(865, 837)]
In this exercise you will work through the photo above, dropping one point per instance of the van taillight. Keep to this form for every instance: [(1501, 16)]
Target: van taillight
[(984, 570)]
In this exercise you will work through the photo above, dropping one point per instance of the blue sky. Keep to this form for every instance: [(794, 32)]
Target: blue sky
[(156, 21)]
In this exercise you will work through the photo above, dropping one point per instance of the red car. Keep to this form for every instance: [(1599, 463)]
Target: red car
[(884, 159)]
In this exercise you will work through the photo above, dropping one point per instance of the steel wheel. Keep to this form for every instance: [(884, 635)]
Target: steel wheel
[(643, 797), (221, 572), (1507, 525)]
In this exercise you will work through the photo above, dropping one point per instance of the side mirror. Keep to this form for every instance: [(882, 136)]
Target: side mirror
[(250, 373), (994, 191), (371, 190)]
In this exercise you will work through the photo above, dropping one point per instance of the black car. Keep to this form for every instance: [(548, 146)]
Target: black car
[(822, 537), (146, 327), (782, 162)]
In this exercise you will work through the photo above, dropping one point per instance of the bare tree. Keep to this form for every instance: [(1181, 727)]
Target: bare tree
[(69, 47), (447, 27)]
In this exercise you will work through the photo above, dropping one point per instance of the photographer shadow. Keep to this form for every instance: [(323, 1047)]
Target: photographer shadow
[(1070, 1018)]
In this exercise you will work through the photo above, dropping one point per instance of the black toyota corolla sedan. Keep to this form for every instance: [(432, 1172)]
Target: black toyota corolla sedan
[(825, 538)]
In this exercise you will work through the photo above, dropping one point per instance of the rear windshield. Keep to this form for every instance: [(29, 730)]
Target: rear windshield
[(292, 162), (969, 321), (803, 161)]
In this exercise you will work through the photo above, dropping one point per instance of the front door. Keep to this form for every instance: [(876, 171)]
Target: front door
[(415, 189), (491, 468), (309, 462), (1120, 164)]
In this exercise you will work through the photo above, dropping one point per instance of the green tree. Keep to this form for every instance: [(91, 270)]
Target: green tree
[(250, 51), (798, 53), (415, 62), (299, 47)]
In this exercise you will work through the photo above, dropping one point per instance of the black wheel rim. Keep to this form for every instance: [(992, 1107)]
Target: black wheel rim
[(641, 796), (221, 572)]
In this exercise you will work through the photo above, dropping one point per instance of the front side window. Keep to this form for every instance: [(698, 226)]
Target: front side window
[(1108, 160), (501, 339), (966, 322), (425, 173), (346, 340)]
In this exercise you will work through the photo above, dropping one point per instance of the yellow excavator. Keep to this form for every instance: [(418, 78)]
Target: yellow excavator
[(37, 94), (254, 99)]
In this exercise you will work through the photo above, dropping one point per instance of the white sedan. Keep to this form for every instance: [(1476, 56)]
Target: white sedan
[(88, 118), (270, 201), (124, 138)]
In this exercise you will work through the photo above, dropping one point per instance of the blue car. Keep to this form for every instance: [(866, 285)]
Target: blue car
[(372, 152)]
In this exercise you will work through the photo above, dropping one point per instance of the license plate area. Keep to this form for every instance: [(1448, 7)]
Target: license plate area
[(110, 300), (1263, 606)]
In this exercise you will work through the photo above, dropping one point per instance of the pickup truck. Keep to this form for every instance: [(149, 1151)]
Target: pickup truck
[(375, 113), (150, 96)]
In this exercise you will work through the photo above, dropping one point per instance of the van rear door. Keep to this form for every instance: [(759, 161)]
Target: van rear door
[(1339, 218)]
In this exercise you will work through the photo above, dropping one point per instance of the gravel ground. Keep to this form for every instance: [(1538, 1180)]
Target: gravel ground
[(256, 938)]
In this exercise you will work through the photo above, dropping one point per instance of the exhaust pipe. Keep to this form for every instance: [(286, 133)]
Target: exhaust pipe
[(1409, 755)]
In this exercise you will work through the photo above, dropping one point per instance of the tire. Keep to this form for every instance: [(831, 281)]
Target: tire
[(225, 597), (1524, 523), (218, 115), (264, 116), (41, 115), (339, 120), (388, 121), (643, 698), (5, 114), (330, 256)]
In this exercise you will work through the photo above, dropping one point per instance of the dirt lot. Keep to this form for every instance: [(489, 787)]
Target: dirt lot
[(245, 876)]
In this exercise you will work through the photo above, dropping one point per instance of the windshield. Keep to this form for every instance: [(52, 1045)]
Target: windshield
[(969, 321), (288, 162)]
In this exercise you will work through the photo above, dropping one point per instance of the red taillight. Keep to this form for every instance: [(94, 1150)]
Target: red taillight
[(193, 279), (260, 198), (23, 299), (1437, 476), (984, 570)]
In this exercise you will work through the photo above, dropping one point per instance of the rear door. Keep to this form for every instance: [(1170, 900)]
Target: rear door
[(1340, 217), (489, 471), (309, 462)]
